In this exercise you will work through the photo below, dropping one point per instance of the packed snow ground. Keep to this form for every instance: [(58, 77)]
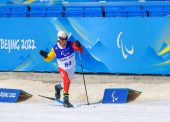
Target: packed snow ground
[(50, 112), (153, 105)]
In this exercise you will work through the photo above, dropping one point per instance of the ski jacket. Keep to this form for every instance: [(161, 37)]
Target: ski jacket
[(65, 56)]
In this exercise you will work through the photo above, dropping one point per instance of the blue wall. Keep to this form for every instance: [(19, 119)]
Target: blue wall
[(119, 45)]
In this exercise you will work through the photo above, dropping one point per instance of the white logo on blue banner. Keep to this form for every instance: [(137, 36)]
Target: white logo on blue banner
[(114, 98), (123, 48), (64, 53)]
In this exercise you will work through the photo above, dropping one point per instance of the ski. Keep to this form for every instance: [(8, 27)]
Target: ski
[(52, 98), (62, 103)]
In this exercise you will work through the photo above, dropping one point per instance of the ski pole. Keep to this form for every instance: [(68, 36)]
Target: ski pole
[(84, 79)]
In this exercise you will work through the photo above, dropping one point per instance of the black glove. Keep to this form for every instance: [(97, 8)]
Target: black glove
[(78, 44), (43, 53)]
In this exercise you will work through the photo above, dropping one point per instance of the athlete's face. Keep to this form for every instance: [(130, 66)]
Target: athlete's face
[(62, 42)]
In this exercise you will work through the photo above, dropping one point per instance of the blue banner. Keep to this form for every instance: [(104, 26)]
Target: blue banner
[(56, 1), (111, 45)]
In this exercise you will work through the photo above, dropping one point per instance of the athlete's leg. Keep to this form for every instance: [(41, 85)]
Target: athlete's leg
[(66, 80), (66, 75)]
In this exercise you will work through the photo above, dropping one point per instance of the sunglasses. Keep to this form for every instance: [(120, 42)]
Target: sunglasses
[(62, 38)]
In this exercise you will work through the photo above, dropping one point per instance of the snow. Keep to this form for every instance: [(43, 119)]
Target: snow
[(44, 112), (153, 105)]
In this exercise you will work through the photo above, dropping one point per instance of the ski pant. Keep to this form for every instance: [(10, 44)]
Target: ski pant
[(67, 75)]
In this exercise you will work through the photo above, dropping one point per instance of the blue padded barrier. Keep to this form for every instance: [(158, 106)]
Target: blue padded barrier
[(36, 14), (124, 11), (115, 14), (167, 10), (113, 7), (18, 11), (74, 8), (22, 14), (4, 11), (167, 6), (74, 11), (34, 7), (54, 11), (4, 14), (73, 14), (54, 7), (134, 10), (136, 13), (37, 11), (153, 7), (19, 8), (53, 14), (156, 13), (83, 11), (5, 8), (155, 10), (114, 11), (132, 7), (93, 11)]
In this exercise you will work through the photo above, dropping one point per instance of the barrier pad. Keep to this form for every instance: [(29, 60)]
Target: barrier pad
[(13, 95), (119, 95)]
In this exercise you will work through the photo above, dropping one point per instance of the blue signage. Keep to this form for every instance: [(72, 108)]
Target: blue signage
[(9, 95), (121, 45), (114, 95), (119, 95)]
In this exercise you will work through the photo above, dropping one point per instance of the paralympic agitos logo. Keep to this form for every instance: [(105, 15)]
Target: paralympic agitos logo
[(121, 45), (64, 53)]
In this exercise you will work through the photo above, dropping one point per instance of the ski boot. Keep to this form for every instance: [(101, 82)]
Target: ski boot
[(67, 104), (58, 88)]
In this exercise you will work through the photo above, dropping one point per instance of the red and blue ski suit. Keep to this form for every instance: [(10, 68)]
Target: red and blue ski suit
[(66, 61)]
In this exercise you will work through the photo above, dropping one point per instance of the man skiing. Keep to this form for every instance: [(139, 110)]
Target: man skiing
[(64, 52)]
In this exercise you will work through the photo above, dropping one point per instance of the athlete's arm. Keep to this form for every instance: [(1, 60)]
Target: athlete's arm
[(50, 55), (77, 47)]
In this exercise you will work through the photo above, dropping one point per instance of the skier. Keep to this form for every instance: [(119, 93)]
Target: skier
[(64, 52)]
